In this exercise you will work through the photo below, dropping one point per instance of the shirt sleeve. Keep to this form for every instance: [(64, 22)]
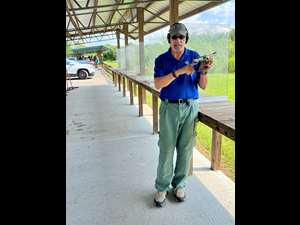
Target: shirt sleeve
[(158, 68)]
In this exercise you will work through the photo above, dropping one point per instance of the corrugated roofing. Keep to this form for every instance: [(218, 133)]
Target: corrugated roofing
[(86, 18)]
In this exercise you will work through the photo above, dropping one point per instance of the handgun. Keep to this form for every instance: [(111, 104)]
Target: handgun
[(203, 59)]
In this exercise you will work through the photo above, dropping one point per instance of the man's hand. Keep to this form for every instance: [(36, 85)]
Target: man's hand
[(206, 65), (188, 69)]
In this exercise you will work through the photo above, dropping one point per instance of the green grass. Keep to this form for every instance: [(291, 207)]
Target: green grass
[(221, 85)]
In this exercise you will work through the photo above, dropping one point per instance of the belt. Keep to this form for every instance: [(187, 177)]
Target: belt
[(178, 101)]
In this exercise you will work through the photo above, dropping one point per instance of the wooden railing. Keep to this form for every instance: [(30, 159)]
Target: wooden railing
[(215, 113)]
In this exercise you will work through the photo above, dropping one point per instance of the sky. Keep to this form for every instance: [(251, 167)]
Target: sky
[(220, 15), (223, 14)]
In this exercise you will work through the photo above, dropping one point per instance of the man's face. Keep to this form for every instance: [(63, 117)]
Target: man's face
[(177, 42)]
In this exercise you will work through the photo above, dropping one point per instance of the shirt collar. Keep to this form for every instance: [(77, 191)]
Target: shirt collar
[(171, 56)]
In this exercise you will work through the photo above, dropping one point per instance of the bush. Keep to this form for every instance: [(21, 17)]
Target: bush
[(109, 55)]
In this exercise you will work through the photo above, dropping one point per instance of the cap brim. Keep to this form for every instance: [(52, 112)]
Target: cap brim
[(178, 33)]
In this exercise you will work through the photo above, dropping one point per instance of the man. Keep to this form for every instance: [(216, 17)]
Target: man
[(178, 80)]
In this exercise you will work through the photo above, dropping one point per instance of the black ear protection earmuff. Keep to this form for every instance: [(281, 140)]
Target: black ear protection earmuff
[(186, 37)]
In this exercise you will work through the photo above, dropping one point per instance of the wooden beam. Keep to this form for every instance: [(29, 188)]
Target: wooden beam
[(101, 20), (173, 11), (99, 35), (101, 26), (215, 2), (154, 16), (77, 4), (121, 17), (75, 24), (196, 11), (124, 20), (68, 34), (88, 33), (118, 4), (94, 15), (68, 23), (115, 7), (130, 9), (102, 11)]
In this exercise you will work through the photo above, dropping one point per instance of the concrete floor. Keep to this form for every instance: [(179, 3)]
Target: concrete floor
[(111, 166)]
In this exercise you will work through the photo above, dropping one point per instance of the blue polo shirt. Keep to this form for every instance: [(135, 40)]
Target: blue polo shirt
[(184, 86)]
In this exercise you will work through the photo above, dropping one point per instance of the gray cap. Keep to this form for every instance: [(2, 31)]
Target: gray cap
[(178, 28)]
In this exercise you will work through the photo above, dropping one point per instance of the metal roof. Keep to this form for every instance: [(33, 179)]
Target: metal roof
[(101, 18), (89, 49)]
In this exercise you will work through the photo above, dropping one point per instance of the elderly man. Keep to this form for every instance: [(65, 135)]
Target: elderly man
[(178, 78)]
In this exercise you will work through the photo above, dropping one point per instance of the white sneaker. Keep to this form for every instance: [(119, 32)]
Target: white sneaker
[(179, 194), (160, 199)]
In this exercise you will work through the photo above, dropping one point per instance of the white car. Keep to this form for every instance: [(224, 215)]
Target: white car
[(82, 71)]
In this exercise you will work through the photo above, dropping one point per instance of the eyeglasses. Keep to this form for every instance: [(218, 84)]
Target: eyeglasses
[(181, 37)]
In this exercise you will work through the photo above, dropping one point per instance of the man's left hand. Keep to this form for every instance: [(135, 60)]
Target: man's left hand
[(205, 66)]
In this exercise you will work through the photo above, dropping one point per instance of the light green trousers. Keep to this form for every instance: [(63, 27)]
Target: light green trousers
[(177, 130)]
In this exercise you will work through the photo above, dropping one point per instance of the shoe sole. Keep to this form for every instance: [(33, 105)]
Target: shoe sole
[(161, 204)]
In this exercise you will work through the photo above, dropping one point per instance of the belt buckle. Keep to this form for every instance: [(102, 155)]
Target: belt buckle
[(180, 101)]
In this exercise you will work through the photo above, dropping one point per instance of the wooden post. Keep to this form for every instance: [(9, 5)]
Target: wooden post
[(124, 86), (127, 84), (130, 92), (140, 97), (173, 11), (118, 43), (140, 19), (125, 30), (155, 113), (144, 96), (113, 77), (216, 150), (134, 90), (118, 38), (119, 81)]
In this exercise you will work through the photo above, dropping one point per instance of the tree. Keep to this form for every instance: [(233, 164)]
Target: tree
[(68, 50), (109, 53)]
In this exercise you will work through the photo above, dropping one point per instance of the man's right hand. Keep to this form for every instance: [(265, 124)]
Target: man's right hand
[(188, 69)]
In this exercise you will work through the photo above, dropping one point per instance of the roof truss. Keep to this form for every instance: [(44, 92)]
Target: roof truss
[(86, 17)]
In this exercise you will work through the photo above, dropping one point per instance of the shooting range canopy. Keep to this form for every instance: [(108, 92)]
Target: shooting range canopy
[(90, 49), (86, 18)]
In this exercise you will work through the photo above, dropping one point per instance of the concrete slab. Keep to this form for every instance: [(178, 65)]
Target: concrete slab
[(111, 166)]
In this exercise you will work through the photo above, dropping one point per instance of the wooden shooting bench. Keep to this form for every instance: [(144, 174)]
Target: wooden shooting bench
[(216, 113)]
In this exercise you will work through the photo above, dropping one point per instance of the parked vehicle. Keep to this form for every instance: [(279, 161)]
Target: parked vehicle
[(76, 69)]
